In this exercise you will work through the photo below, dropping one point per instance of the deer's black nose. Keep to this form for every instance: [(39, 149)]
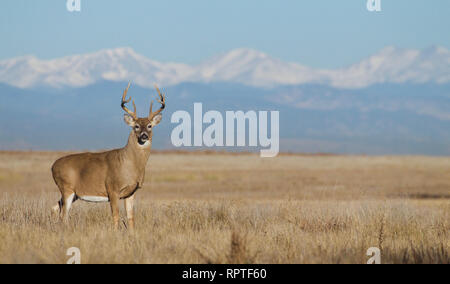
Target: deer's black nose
[(144, 136)]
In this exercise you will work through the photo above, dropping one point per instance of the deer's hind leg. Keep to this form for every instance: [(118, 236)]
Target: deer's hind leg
[(56, 210), (68, 198)]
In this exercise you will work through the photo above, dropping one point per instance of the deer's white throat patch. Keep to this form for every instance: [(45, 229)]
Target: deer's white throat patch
[(94, 198)]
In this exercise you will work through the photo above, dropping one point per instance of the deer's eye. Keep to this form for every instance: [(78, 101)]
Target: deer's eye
[(149, 126), (137, 127)]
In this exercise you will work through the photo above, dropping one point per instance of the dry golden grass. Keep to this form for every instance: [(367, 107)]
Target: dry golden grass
[(218, 208)]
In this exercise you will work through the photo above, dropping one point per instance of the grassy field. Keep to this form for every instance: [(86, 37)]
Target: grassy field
[(224, 208)]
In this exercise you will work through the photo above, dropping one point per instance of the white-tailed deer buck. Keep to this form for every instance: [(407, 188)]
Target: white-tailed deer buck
[(109, 176)]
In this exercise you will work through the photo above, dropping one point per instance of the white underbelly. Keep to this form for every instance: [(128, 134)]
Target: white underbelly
[(94, 198)]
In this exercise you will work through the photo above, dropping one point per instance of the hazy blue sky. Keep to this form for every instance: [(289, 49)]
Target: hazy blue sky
[(318, 33)]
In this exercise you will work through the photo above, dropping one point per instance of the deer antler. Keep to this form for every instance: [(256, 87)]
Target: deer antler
[(161, 100), (132, 114)]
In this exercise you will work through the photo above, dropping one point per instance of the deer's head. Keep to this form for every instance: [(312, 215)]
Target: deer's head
[(143, 127)]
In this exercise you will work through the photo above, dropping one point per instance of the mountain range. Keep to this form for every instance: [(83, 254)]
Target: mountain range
[(242, 66), (394, 102)]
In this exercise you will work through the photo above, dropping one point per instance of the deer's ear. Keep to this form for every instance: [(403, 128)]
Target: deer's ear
[(156, 120), (129, 120)]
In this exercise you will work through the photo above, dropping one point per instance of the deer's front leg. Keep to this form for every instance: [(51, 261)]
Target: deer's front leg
[(114, 202), (129, 207)]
